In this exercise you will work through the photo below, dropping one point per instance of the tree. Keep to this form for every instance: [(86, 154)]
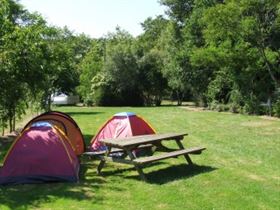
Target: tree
[(178, 10), (36, 60), (175, 63), (118, 82), (240, 43), (91, 64), (153, 84), (150, 60), (18, 56), (153, 29), (176, 48), (59, 64)]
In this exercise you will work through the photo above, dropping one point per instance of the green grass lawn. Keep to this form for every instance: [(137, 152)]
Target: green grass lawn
[(239, 170)]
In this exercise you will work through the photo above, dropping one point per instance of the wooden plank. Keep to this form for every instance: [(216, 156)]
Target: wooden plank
[(187, 157), (150, 159), (137, 166), (143, 139), (96, 153), (102, 162), (114, 150), (115, 159)]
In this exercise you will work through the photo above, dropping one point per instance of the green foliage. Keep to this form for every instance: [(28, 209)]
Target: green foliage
[(276, 108), (235, 101), (153, 30), (91, 64), (19, 53), (178, 9), (221, 54), (151, 60), (120, 71), (276, 104), (153, 83), (60, 61), (220, 87), (105, 96), (238, 42), (213, 52), (36, 60), (175, 61)]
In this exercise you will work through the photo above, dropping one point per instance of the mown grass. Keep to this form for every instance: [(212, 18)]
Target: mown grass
[(239, 170)]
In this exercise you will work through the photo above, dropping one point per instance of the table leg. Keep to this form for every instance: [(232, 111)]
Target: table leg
[(187, 157), (138, 168), (100, 166), (102, 162), (162, 148)]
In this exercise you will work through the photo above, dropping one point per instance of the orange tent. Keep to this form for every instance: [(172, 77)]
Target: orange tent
[(65, 124)]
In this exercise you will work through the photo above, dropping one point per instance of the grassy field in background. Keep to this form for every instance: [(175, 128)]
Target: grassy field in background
[(239, 170)]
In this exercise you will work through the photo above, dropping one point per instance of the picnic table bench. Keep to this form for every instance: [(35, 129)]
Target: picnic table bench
[(130, 144)]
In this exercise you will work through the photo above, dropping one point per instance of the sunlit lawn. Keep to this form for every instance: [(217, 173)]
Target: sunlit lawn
[(239, 170)]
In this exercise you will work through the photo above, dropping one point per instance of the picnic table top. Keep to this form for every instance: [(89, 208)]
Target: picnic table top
[(135, 141)]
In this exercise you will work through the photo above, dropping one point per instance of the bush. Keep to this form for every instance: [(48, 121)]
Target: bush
[(276, 108), (213, 105), (106, 96), (216, 106), (88, 101), (235, 108), (252, 106)]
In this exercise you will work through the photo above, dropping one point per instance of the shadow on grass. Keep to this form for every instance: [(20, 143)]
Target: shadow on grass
[(82, 113), (164, 175), (33, 196), (120, 171), (87, 139), (169, 105), (172, 173)]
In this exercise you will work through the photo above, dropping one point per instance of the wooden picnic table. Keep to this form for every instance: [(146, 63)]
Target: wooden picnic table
[(130, 144)]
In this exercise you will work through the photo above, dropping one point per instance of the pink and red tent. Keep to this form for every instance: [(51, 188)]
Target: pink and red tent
[(121, 125), (42, 153)]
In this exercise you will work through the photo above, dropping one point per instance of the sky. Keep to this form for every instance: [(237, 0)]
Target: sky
[(96, 17)]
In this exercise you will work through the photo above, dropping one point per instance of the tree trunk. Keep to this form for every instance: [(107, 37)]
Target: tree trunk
[(179, 98), (49, 103), (14, 121), (11, 123), (267, 63), (3, 126), (269, 68)]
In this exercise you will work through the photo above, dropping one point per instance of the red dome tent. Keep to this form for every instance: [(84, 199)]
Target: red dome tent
[(121, 125), (42, 153), (67, 125)]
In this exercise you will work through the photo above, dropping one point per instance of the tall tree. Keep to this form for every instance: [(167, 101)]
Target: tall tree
[(118, 82), (240, 43), (91, 64), (177, 65), (18, 55), (59, 64), (150, 60)]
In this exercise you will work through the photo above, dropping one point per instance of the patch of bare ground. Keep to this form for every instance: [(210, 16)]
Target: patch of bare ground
[(162, 206), (255, 177), (194, 108), (256, 123), (276, 178), (265, 117)]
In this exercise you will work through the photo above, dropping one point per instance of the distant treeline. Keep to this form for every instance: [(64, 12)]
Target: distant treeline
[(223, 55)]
